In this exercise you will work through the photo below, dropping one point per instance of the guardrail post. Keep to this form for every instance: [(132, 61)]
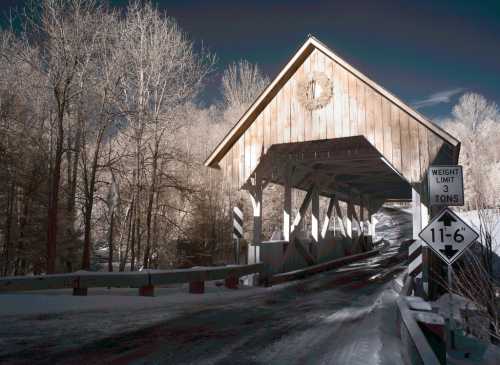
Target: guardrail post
[(197, 287), (77, 291), (231, 282), (147, 291)]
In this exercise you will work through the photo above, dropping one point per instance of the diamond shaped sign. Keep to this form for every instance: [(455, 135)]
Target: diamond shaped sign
[(448, 236)]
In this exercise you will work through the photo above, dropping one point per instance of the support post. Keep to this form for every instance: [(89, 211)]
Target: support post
[(231, 282), (302, 209), (328, 217), (197, 287), (315, 216), (287, 209), (348, 219), (418, 260), (256, 198), (341, 217), (147, 291), (417, 214)]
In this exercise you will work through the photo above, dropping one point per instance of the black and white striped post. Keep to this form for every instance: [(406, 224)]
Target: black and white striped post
[(415, 260), (237, 232)]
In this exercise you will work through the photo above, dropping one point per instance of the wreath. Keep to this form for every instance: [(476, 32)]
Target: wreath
[(306, 91)]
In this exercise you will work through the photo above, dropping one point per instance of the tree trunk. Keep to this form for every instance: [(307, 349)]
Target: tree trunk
[(110, 241), (8, 229), (52, 222), (89, 204), (127, 246), (132, 241), (150, 209)]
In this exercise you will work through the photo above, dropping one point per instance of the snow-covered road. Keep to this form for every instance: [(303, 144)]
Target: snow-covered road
[(347, 316)]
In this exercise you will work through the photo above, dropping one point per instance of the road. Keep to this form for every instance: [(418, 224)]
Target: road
[(343, 317), (346, 316)]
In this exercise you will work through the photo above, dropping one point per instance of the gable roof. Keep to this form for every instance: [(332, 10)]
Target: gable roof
[(304, 51)]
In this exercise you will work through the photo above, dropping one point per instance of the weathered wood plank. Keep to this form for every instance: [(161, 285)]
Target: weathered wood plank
[(337, 100), (276, 134), (316, 65), (241, 143), (329, 109), (248, 153), (287, 112), (306, 114), (434, 144), (405, 144), (346, 128), (236, 165), (353, 105), (259, 140), (325, 113), (396, 137), (377, 111), (387, 128), (295, 130), (360, 89), (423, 150), (370, 115), (267, 133), (414, 150)]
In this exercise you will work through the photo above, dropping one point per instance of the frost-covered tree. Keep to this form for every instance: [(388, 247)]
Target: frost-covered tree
[(242, 82), (475, 122)]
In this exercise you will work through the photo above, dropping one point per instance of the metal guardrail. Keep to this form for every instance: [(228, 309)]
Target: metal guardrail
[(85, 279)]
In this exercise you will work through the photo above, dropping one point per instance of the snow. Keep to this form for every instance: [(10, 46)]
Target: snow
[(418, 304), (48, 316), (102, 299), (471, 217), (351, 325)]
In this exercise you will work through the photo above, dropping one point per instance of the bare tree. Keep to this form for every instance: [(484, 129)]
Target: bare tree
[(162, 72), (476, 123), (242, 82)]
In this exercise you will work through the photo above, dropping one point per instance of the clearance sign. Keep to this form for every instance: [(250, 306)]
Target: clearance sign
[(446, 185)]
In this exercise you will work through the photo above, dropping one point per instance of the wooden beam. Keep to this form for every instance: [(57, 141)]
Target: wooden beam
[(315, 216), (303, 252), (287, 207), (328, 217), (341, 217), (303, 208), (256, 198), (348, 219)]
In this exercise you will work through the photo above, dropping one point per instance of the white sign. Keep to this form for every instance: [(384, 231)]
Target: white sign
[(448, 236), (446, 186)]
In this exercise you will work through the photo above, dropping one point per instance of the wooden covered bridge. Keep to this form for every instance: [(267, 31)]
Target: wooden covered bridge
[(325, 128)]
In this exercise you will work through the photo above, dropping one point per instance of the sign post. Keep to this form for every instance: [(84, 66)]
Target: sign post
[(447, 235), (237, 232)]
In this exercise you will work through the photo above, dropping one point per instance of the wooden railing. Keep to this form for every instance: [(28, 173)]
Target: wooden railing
[(145, 280), (417, 349)]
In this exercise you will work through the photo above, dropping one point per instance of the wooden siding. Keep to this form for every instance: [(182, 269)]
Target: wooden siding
[(356, 108)]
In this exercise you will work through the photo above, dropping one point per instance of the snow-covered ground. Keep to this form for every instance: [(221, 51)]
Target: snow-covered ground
[(471, 217), (341, 317)]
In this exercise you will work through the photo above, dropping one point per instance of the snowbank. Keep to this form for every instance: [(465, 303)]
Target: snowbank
[(99, 299)]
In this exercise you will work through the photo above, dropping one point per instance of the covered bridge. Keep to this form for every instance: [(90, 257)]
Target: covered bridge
[(324, 127)]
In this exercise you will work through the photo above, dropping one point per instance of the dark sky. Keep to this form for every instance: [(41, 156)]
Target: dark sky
[(427, 52)]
